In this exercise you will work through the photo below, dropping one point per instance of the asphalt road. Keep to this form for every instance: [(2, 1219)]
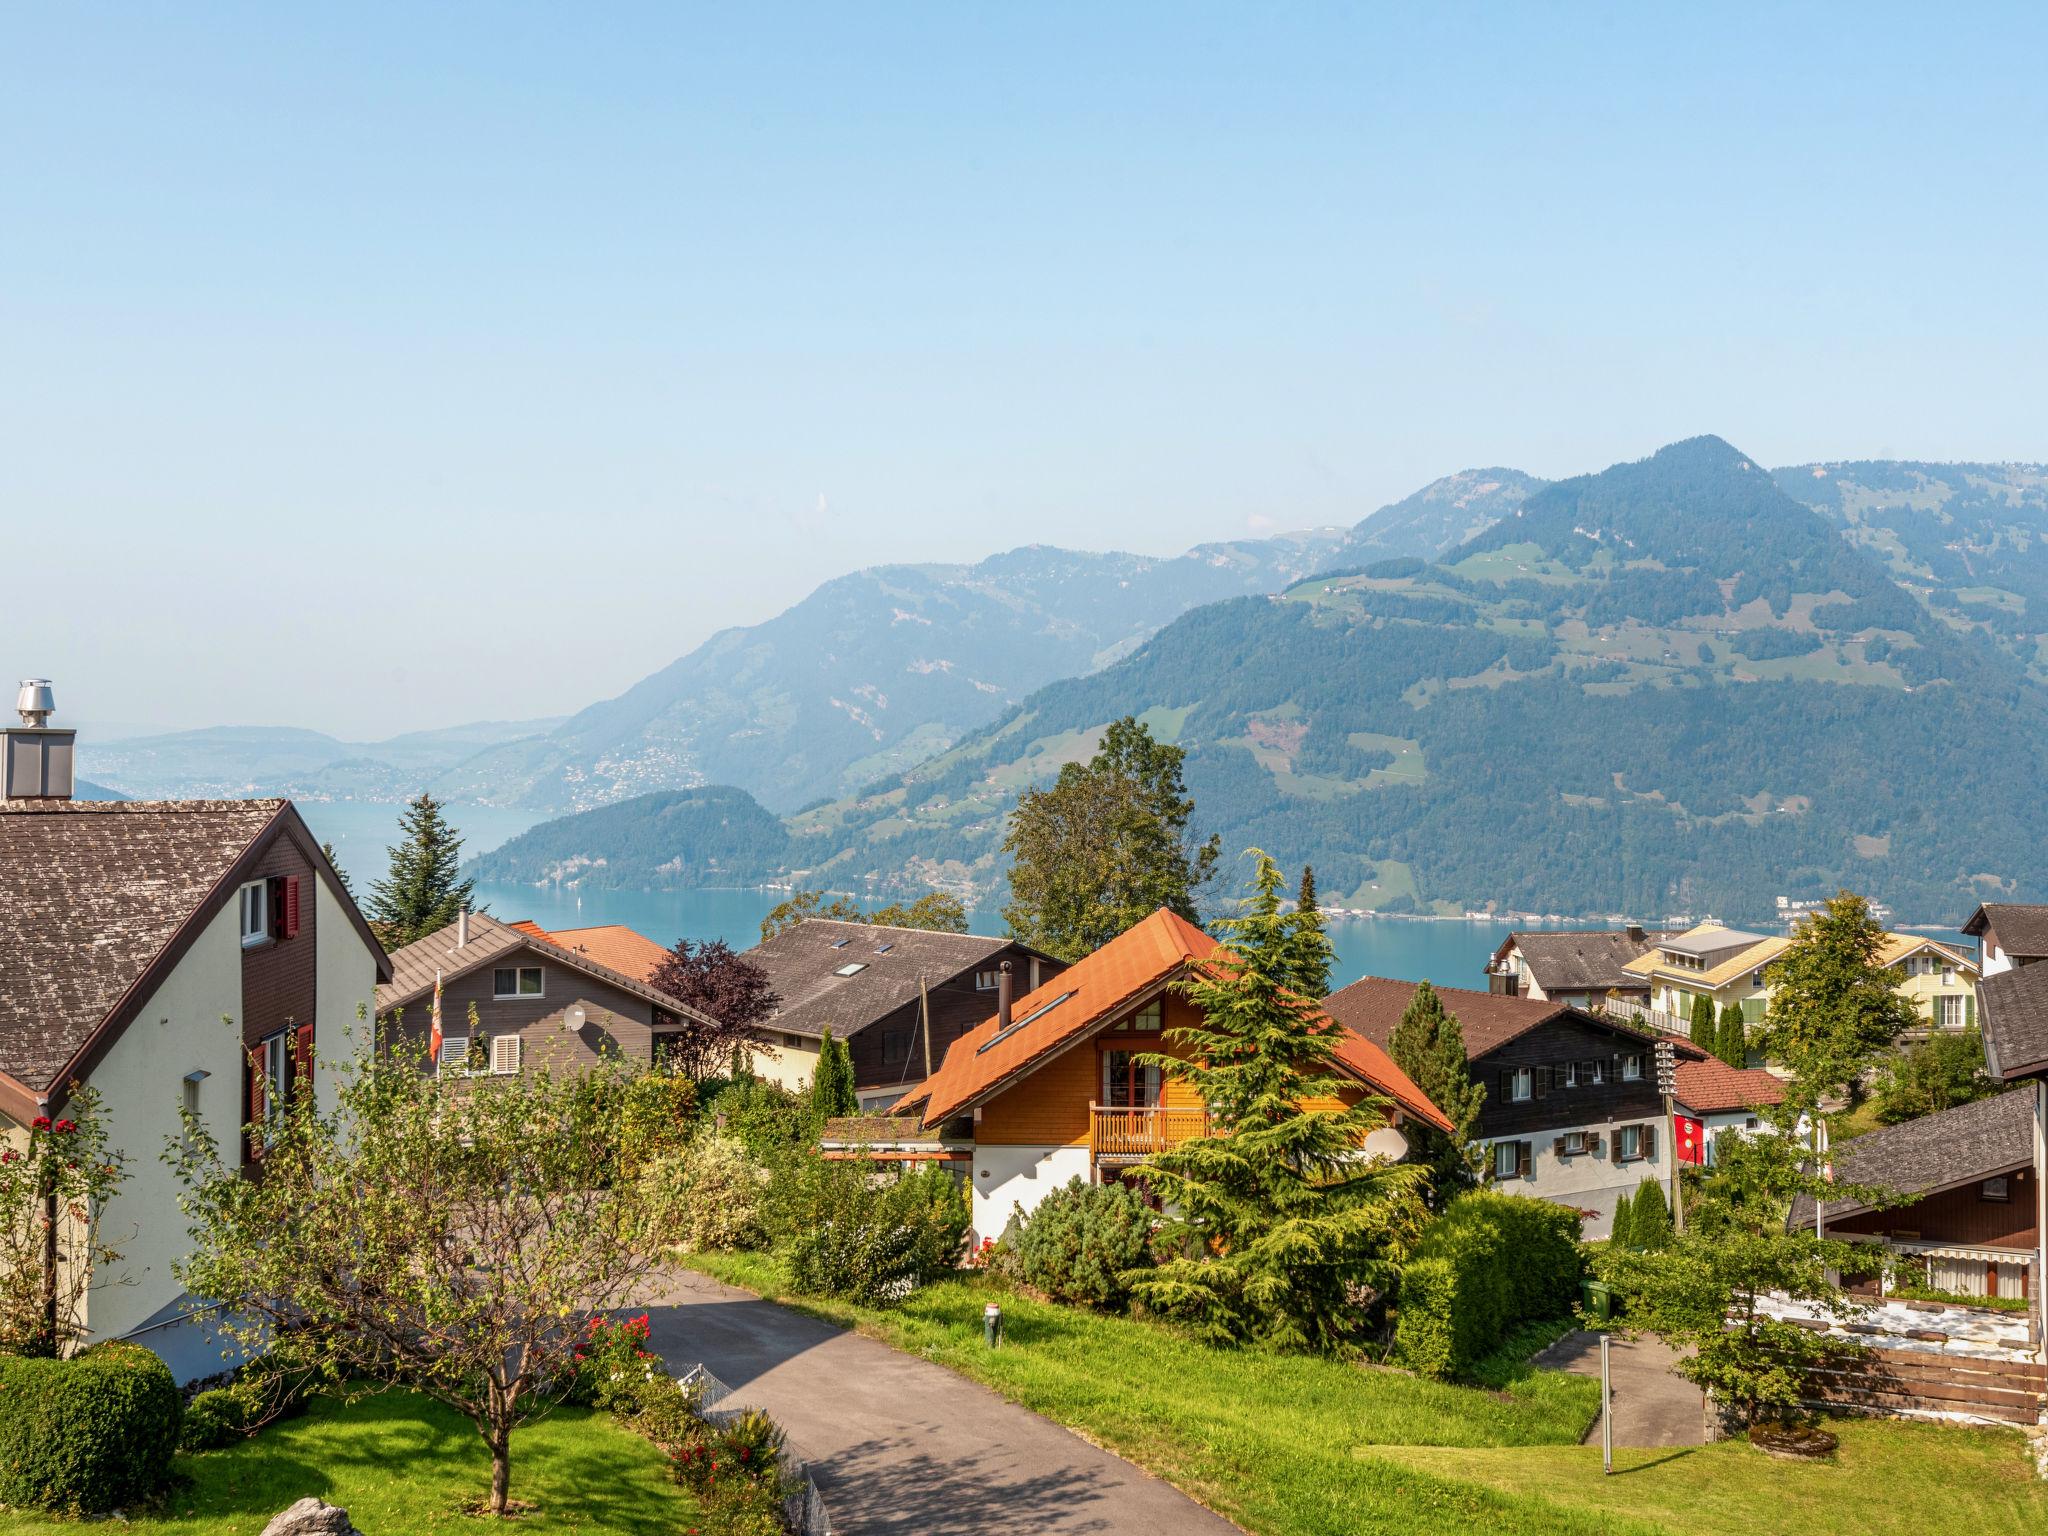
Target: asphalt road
[(902, 1447), (1651, 1405)]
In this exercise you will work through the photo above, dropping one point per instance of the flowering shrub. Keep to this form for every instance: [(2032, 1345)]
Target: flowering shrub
[(614, 1366), (66, 1161)]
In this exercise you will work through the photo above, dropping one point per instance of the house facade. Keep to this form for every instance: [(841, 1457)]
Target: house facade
[(900, 997), (1051, 1087), (1724, 965), (175, 956), (2009, 935), (1571, 966), (1940, 979), (535, 1000), (1713, 1099)]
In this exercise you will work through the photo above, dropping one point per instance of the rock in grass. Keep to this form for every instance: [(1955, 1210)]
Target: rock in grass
[(312, 1517)]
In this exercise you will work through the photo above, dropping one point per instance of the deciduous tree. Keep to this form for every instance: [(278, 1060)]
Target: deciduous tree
[(1931, 1075), (1105, 846), (422, 893), (730, 991), (940, 911), (1835, 1006), (1288, 1229)]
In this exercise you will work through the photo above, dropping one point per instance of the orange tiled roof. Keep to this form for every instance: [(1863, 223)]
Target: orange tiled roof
[(1087, 995), (615, 945), (1712, 1086)]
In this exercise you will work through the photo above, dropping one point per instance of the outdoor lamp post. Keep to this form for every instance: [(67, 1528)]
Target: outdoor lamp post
[(992, 1325)]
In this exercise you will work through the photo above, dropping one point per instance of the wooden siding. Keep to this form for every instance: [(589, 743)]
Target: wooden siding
[(615, 1022), (1958, 1215), (280, 986), (1553, 1044), (1050, 1106), (889, 1052)]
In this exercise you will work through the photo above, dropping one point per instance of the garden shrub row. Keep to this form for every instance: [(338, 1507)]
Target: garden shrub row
[(1488, 1264), (88, 1434)]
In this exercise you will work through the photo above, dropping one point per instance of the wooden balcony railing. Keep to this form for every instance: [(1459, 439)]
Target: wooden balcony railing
[(1135, 1133)]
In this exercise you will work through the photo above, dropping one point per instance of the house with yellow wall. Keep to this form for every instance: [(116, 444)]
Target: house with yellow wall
[(1941, 979)]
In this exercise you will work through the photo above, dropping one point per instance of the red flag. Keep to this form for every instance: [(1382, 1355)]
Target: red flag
[(434, 1035), (1692, 1139)]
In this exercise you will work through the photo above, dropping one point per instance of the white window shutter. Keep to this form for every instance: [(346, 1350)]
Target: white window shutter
[(505, 1052), (454, 1053)]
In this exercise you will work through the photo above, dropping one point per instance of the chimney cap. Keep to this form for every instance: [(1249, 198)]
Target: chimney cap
[(36, 702)]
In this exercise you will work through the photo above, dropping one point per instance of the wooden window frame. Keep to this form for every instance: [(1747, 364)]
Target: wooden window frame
[(518, 974)]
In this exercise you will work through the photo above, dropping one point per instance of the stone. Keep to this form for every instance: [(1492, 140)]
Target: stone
[(312, 1517)]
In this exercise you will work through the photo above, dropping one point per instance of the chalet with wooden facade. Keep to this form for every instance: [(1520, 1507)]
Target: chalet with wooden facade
[(187, 955), (1050, 1088), (535, 998), (2009, 935), (1573, 966), (899, 996)]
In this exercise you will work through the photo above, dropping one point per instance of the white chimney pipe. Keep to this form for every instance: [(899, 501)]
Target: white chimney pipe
[(462, 926)]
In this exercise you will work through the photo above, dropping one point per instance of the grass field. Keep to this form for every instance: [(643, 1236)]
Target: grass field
[(1289, 1446), (401, 1465)]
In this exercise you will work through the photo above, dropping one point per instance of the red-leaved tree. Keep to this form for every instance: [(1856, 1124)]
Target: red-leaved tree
[(730, 991)]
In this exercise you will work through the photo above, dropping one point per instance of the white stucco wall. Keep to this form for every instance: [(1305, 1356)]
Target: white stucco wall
[(1008, 1178), (1589, 1181), (180, 1029), (345, 979), (793, 1066)]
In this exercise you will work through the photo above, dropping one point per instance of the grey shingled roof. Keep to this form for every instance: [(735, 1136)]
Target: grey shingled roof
[(2022, 928), (2012, 1012), (91, 892), (1584, 962), (413, 967), (1971, 1141), (1373, 1005), (801, 962)]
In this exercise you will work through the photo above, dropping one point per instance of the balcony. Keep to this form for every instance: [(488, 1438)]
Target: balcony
[(1127, 1135)]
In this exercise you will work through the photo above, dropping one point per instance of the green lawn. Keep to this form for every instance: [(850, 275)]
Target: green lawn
[(400, 1464), (1302, 1447)]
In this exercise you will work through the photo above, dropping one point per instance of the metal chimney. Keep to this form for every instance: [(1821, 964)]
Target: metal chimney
[(462, 926), (1003, 997), (36, 757)]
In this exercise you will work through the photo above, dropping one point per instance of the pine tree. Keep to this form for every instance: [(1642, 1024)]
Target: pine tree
[(327, 852), (1704, 1034), (1280, 1225), (832, 1092), (421, 895), (1650, 1225), (1731, 1041), (1429, 1045)]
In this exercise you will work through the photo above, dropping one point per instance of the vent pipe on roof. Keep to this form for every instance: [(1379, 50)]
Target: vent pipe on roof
[(35, 756), (1003, 997), (462, 926)]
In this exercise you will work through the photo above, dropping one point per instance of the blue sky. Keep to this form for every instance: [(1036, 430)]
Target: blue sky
[(375, 367)]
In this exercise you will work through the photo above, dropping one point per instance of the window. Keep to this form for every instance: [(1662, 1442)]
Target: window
[(1750, 1124), (1574, 1143), (1628, 1143), (987, 981), (1570, 1075), (1631, 1067), (1507, 1159), (798, 1042), (1521, 1085), (841, 943), (454, 1054), (852, 969), (1995, 1188), (516, 981), (274, 1057), (883, 949), (255, 905), (505, 1054), (1948, 975), (1145, 1019), (1593, 1073), (1949, 1012), (1126, 1084)]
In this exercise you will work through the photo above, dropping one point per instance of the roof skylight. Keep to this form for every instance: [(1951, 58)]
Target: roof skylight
[(1017, 1024), (851, 970)]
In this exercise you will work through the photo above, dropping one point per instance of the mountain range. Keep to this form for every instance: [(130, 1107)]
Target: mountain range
[(1681, 684)]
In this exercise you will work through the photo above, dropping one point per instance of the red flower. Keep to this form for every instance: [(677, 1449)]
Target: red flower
[(67, 1126), (10, 1156), (40, 1123)]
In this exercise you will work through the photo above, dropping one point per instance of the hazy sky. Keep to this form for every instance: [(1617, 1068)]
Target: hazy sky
[(370, 368)]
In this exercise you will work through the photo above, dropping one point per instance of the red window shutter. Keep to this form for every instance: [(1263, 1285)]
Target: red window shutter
[(290, 927), (302, 1059)]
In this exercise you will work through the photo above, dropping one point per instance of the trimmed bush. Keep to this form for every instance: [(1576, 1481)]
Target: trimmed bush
[(1080, 1241), (872, 1237), (88, 1434), (1488, 1264), (1651, 1227)]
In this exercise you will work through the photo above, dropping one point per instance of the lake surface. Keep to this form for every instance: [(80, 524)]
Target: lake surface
[(1451, 954)]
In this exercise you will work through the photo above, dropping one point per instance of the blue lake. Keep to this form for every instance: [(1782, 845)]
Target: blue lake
[(1452, 954)]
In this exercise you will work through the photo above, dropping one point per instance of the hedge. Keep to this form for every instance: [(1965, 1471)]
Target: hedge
[(88, 1434), (1488, 1264)]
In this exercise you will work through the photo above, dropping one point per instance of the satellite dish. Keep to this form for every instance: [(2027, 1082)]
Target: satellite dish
[(1388, 1143)]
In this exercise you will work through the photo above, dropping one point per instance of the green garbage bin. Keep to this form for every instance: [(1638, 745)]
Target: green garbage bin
[(1599, 1299)]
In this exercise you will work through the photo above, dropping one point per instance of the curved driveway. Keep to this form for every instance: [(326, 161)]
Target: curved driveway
[(903, 1447)]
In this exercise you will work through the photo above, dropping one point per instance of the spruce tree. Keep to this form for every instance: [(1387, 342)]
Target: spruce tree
[(421, 894), (327, 852), (1704, 1034), (1429, 1045), (1621, 1233), (1281, 1226)]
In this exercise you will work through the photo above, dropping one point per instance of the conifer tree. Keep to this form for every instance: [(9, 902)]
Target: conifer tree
[(1283, 1228), (421, 894), (327, 852), (832, 1085), (1621, 1233), (1429, 1045), (1704, 1032), (1731, 1041), (1650, 1225)]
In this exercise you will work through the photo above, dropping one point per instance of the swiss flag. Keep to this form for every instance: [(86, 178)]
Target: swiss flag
[(1692, 1140)]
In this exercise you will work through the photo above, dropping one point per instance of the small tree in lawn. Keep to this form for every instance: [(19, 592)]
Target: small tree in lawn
[(730, 992), (832, 1092), (1835, 1006), (1296, 1230), (54, 1249), (421, 895), (1429, 1045), (1704, 1034), (1731, 1042), (451, 1238)]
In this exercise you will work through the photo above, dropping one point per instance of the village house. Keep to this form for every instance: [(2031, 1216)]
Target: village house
[(193, 956), (899, 996), (1572, 1113), (2008, 934), (1051, 1087), (1580, 967), (537, 998), (1725, 965)]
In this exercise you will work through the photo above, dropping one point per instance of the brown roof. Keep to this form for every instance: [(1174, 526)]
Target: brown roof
[(97, 897), (2012, 1012), (1708, 1085), (490, 941), (803, 963), (1373, 1005), (1938, 1151), (1589, 961), (2022, 928), (1089, 994)]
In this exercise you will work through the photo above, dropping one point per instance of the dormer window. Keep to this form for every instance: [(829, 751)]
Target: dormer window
[(254, 900)]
